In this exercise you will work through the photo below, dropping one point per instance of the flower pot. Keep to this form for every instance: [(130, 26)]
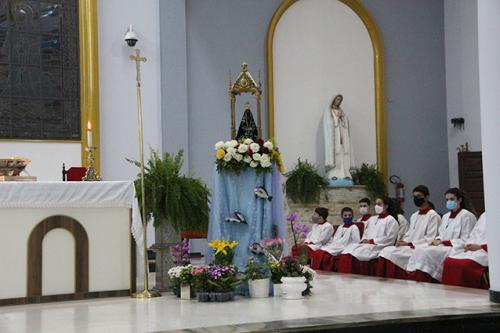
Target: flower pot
[(185, 291), (203, 296), (277, 289), (292, 287), (222, 296), (258, 288)]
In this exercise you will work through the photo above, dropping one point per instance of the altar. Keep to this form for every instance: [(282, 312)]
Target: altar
[(67, 240)]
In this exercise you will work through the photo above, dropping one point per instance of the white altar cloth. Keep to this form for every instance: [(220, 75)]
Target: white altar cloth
[(103, 194)]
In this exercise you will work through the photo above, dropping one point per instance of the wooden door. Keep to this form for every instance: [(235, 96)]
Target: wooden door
[(470, 175)]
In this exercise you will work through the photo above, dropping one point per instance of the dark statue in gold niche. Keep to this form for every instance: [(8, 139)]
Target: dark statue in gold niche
[(247, 128), (245, 84)]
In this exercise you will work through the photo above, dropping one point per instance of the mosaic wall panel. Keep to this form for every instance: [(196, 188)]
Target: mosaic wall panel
[(39, 70)]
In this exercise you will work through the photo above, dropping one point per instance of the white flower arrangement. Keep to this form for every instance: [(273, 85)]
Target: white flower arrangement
[(234, 155)]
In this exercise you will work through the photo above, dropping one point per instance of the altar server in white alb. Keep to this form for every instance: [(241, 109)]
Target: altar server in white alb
[(346, 234), (380, 231), (402, 221), (424, 223), (467, 264), (321, 231), (426, 262), (364, 210)]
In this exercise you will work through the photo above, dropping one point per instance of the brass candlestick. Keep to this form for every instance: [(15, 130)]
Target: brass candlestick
[(91, 173), (146, 293)]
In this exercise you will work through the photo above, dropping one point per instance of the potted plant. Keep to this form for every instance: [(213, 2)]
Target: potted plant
[(257, 274), (176, 201), (304, 184), (200, 283), (296, 278), (276, 275), (223, 251), (222, 280), (369, 176)]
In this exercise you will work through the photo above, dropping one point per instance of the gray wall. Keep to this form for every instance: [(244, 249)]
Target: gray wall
[(413, 33), (223, 33)]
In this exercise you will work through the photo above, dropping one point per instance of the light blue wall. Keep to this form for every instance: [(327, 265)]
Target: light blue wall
[(413, 33), (223, 33)]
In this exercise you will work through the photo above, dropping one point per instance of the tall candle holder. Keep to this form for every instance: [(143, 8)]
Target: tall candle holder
[(91, 173)]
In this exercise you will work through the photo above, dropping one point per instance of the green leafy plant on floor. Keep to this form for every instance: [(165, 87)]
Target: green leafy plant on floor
[(172, 197), (304, 184), (369, 176)]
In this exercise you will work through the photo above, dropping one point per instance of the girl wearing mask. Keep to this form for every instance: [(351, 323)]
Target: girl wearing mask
[(426, 262), (348, 233), (424, 223), (380, 231)]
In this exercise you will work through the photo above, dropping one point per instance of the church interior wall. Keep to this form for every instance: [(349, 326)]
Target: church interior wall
[(413, 33), (223, 33), (462, 78)]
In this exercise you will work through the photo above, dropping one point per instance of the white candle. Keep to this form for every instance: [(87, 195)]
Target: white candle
[(89, 135)]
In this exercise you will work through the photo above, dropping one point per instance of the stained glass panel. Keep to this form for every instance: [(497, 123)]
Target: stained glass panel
[(39, 70)]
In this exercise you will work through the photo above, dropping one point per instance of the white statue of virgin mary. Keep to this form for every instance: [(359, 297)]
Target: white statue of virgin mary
[(338, 151)]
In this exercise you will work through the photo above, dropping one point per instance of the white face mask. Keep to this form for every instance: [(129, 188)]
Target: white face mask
[(363, 210), (379, 209)]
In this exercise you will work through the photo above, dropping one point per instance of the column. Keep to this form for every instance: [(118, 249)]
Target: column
[(489, 91)]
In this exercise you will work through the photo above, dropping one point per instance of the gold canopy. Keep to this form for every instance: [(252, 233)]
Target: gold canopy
[(244, 84)]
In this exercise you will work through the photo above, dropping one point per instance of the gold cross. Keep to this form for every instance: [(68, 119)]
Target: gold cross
[(137, 58)]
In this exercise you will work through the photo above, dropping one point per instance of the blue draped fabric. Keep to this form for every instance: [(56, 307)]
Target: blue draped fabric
[(235, 192)]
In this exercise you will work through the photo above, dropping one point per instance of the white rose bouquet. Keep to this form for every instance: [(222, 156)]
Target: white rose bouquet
[(236, 155)]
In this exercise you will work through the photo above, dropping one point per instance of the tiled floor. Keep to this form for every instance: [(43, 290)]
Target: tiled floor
[(334, 295)]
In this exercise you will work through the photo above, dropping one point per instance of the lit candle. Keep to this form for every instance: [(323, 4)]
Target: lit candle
[(89, 135)]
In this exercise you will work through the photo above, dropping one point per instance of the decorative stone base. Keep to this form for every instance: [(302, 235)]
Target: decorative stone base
[(333, 198)]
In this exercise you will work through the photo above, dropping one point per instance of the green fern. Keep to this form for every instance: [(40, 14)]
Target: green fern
[(373, 179), (179, 200), (304, 184)]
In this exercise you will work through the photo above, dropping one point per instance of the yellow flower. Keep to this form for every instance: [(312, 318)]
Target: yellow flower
[(221, 245), (220, 154)]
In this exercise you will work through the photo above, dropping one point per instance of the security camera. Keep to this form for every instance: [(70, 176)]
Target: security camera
[(131, 37)]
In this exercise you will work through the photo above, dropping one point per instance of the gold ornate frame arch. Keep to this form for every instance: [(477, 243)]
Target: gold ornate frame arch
[(378, 62)]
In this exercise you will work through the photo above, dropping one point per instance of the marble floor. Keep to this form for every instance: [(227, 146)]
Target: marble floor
[(347, 297)]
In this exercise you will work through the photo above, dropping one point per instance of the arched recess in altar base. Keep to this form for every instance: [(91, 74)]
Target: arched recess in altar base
[(287, 122)]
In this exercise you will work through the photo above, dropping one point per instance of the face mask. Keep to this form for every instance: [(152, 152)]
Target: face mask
[(315, 219), (347, 219), (379, 209), (451, 204), (363, 210), (418, 201)]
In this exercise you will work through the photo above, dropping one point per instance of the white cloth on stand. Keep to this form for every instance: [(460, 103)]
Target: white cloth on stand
[(102, 194), (422, 230)]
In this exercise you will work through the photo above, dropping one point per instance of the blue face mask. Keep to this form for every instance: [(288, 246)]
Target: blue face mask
[(451, 204), (347, 219)]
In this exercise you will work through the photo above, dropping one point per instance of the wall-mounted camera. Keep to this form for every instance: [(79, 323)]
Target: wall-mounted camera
[(458, 123), (131, 37)]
